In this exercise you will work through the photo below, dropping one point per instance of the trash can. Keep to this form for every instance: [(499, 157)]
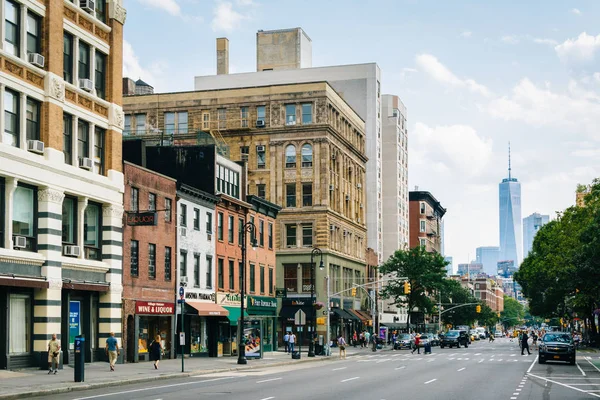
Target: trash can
[(79, 358), (296, 355)]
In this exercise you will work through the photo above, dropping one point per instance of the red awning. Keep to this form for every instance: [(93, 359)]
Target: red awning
[(208, 309)]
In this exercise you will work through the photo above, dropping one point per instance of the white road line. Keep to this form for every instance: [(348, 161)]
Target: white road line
[(383, 360), (532, 364), (582, 373), (480, 361), (562, 384), (462, 369), (428, 382), (152, 388), (339, 369), (500, 359), (477, 354), (350, 379), (268, 398), (593, 365), (402, 367), (269, 380)]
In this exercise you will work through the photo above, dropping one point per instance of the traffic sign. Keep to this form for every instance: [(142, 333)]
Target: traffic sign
[(300, 318), (181, 301), (181, 291)]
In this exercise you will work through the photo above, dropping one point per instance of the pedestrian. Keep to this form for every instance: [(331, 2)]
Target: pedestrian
[(53, 353), (112, 349), (155, 351), (417, 344), (342, 346), (286, 342), (534, 338), (362, 339), (367, 338), (524, 344), (292, 341)]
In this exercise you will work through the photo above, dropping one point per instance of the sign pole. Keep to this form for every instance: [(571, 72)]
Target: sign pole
[(182, 333)]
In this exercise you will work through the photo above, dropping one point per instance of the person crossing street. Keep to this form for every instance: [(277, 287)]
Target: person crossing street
[(524, 344)]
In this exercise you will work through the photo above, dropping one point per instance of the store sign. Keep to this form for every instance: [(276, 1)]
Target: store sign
[(295, 301), (261, 302), (154, 307), (200, 296), (74, 320), (141, 218), (229, 299), (280, 293)]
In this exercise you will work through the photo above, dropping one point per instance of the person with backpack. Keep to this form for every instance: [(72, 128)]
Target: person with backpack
[(342, 346)]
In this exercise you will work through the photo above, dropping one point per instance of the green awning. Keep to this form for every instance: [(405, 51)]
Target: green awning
[(234, 315)]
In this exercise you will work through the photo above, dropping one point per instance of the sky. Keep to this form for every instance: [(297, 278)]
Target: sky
[(474, 76)]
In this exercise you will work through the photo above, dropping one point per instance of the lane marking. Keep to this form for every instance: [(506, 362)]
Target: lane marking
[(428, 382), (269, 380), (562, 384), (532, 364), (462, 369), (477, 354), (402, 367), (268, 398), (480, 361), (350, 379), (339, 369), (593, 365), (582, 373), (152, 388)]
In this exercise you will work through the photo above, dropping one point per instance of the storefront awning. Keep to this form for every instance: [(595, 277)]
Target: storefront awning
[(344, 314), (207, 309), (234, 315), (88, 286), (290, 312), (362, 315), (24, 282)]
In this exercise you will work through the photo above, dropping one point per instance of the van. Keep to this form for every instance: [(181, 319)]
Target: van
[(481, 332)]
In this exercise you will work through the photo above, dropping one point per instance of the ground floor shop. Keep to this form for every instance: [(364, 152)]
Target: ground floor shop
[(203, 326), (289, 307)]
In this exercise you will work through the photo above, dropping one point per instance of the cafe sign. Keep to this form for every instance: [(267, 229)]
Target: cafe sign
[(154, 308), (147, 218)]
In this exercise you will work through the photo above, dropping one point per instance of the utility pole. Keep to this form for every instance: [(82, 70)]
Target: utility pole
[(327, 336), (440, 313)]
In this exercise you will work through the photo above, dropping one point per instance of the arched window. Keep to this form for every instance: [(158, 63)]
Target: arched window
[(307, 155), (290, 156)]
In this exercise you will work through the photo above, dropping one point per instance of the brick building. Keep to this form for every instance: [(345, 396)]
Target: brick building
[(425, 215), (61, 180), (149, 261)]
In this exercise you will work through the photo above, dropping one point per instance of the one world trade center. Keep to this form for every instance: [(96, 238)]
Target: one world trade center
[(511, 233)]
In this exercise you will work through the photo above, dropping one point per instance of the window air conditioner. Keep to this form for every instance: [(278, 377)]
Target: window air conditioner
[(260, 148), (332, 187), (209, 236), (35, 146), (87, 5), (85, 163), (358, 220), (36, 59), (183, 280), (71, 251), (20, 242), (183, 231), (86, 84), (332, 228), (260, 123), (347, 197), (361, 205), (359, 185), (333, 156)]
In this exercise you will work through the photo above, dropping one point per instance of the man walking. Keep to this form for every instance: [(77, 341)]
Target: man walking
[(292, 341), (53, 353), (112, 349), (524, 344), (286, 342)]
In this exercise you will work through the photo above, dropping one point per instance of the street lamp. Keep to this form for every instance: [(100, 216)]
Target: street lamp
[(251, 228), (311, 344)]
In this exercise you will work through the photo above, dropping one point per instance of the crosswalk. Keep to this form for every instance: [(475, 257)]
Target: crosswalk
[(430, 358)]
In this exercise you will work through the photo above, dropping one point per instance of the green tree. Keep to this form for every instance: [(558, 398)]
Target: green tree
[(452, 295), (423, 270), (513, 312)]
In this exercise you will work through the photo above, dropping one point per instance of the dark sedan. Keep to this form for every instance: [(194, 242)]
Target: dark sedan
[(454, 338), (404, 341), (557, 346)]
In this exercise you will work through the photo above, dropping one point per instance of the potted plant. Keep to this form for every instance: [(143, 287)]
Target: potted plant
[(318, 305)]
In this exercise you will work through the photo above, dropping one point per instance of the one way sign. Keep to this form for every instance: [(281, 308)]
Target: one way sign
[(300, 318)]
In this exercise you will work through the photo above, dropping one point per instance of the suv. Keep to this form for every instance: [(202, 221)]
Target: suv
[(557, 346), (454, 338), (404, 341)]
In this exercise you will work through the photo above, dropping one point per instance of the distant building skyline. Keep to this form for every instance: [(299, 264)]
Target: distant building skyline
[(449, 267), (489, 257), (510, 218), (531, 226)]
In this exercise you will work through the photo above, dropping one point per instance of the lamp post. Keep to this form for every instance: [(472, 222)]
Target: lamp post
[(251, 228), (311, 343)]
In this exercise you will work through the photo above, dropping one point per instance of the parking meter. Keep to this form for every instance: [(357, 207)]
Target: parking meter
[(80, 358)]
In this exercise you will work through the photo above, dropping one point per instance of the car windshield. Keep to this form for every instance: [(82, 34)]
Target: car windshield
[(406, 336), (561, 338), (452, 334)]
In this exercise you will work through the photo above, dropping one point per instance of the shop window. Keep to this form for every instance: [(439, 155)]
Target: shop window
[(168, 269), (290, 195), (196, 270), (220, 279), (307, 235), (252, 278), (134, 251), (182, 263), (24, 220), (290, 156), (196, 219), (262, 279), (209, 282), (168, 207), (270, 235), (19, 337), (151, 261), (261, 233), (230, 228), (220, 226), (231, 277), (271, 281), (290, 235), (93, 231), (307, 155), (290, 278), (134, 199), (151, 202), (69, 220)]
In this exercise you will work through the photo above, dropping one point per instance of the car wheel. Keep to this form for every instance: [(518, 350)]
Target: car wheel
[(466, 345), (572, 362), (442, 346)]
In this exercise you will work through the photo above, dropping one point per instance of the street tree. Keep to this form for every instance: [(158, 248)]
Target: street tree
[(513, 312), (452, 295)]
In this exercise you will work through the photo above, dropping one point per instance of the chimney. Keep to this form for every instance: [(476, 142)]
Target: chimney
[(222, 56)]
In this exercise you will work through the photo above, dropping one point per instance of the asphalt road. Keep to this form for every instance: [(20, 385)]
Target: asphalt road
[(483, 371)]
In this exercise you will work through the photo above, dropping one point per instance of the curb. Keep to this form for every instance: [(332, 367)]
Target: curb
[(99, 385)]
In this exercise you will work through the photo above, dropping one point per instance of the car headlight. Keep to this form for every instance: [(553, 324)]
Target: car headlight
[(542, 347)]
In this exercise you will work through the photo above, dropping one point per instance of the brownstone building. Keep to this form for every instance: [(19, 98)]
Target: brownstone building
[(425, 215)]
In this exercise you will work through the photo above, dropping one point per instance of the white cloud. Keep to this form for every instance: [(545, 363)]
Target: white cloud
[(510, 39), (582, 49), (226, 18), (132, 68), (550, 42), (575, 11), (245, 3), (169, 6), (438, 71), (466, 34)]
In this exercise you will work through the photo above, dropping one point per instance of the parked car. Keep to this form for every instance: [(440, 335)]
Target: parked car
[(474, 334), (424, 339), (454, 338), (499, 334), (404, 341), (431, 338), (557, 346), (436, 340)]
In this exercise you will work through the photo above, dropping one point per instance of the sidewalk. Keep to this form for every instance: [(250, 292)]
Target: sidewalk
[(25, 383)]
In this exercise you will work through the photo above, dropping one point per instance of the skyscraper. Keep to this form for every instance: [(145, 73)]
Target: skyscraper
[(531, 225), (489, 257), (510, 218)]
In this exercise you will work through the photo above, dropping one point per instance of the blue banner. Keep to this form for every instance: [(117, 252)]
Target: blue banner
[(74, 321)]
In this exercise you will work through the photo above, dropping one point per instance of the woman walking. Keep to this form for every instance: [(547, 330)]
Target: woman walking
[(342, 346), (156, 351)]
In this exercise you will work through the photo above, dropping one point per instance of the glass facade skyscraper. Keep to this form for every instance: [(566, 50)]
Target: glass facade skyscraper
[(531, 225), (511, 233)]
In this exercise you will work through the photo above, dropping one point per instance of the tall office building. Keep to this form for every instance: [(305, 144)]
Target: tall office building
[(450, 266), (531, 225), (489, 257), (510, 218)]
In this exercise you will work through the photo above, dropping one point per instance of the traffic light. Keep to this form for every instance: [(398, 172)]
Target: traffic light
[(478, 308), (498, 315), (406, 287), (353, 292)]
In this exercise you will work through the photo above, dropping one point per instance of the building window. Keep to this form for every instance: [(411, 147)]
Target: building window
[(19, 323), (307, 113), (307, 235), (167, 263), (24, 221), (231, 277), (270, 235), (206, 120), (196, 219), (69, 220), (34, 40), (244, 153), (271, 281), (151, 202), (261, 190), (182, 263), (170, 123), (253, 231), (68, 138), (422, 226), (12, 31), (222, 118), (423, 242), (99, 150), (290, 156), (290, 195), (244, 116), (68, 57), (208, 222), (2, 211), (183, 215), (220, 226), (290, 278), (11, 118), (139, 122), (135, 199), (290, 114), (422, 208), (220, 273), (307, 194), (84, 60), (208, 272), (240, 273), (101, 11), (230, 228), (307, 156), (100, 73), (252, 278), (83, 139), (290, 235), (93, 231), (262, 279), (134, 254), (32, 117), (182, 123), (261, 233), (241, 231), (196, 270), (168, 207), (151, 261), (261, 159), (261, 114)]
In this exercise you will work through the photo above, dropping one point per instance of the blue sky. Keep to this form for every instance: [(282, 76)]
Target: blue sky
[(474, 75)]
